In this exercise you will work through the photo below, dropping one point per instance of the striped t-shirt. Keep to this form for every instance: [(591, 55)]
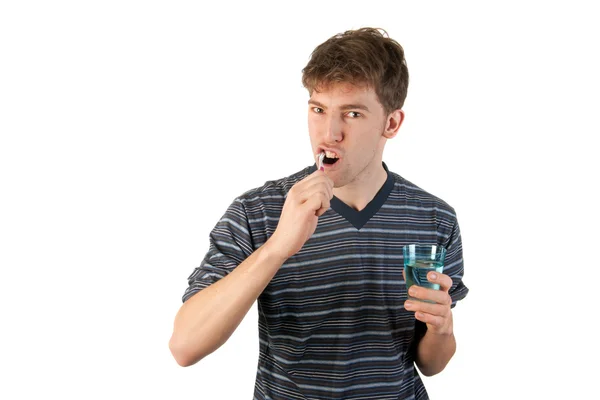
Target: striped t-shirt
[(332, 323)]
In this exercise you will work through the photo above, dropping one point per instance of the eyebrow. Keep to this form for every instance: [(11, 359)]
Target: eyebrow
[(343, 107)]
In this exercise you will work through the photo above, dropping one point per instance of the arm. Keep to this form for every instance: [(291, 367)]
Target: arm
[(434, 352), (207, 319), (210, 317)]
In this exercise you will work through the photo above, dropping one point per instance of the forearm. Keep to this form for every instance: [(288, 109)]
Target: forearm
[(434, 352), (207, 319)]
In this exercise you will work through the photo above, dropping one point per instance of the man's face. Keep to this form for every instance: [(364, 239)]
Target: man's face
[(349, 121)]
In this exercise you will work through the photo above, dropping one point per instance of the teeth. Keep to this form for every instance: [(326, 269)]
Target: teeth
[(329, 154)]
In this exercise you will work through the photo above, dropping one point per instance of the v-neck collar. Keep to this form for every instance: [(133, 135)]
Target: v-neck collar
[(359, 218)]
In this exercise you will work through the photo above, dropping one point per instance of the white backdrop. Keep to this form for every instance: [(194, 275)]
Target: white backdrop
[(128, 127)]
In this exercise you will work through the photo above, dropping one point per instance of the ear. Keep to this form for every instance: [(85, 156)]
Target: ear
[(393, 123)]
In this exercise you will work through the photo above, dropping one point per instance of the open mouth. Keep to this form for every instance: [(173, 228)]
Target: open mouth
[(330, 158)]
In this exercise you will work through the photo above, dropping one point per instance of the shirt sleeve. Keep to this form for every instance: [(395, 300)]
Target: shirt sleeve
[(454, 266), (230, 243)]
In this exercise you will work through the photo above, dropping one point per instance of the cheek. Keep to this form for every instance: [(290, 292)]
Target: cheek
[(372, 137), (312, 134), (313, 128)]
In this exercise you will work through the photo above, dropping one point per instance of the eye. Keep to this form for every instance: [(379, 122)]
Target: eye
[(318, 110), (354, 114)]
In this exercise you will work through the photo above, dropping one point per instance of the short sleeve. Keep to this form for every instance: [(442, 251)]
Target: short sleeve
[(230, 244), (454, 265)]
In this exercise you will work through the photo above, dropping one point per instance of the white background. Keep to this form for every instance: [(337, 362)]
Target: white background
[(127, 128)]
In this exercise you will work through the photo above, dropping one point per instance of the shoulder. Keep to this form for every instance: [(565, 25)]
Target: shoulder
[(414, 196)]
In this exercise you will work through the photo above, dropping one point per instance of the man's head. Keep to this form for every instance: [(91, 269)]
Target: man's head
[(357, 83), (364, 57)]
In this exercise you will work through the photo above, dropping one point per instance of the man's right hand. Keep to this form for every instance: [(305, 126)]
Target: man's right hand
[(306, 201)]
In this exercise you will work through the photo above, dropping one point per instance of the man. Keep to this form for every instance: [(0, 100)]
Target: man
[(321, 250)]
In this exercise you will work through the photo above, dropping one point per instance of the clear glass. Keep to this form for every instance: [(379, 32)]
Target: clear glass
[(419, 260)]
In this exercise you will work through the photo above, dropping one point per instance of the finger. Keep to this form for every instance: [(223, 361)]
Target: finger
[(324, 207), (321, 177), (314, 189), (443, 280), (317, 202), (428, 308), (318, 175), (299, 187), (433, 295), (429, 319), (326, 184), (321, 211), (309, 180)]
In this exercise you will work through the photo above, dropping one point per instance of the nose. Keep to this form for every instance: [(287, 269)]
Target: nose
[(333, 130)]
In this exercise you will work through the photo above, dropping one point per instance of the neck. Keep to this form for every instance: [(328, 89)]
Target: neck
[(358, 193)]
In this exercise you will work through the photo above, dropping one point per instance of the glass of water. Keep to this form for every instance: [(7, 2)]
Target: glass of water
[(419, 260)]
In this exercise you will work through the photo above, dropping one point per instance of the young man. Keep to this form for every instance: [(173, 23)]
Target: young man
[(321, 250)]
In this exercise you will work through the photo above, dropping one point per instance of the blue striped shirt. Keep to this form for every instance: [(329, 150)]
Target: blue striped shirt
[(332, 323)]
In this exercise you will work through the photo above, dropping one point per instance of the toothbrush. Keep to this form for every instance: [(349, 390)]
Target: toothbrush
[(321, 157)]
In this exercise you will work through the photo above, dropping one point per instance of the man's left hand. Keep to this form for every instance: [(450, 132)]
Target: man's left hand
[(437, 314)]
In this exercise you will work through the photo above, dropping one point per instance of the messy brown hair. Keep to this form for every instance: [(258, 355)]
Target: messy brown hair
[(367, 56)]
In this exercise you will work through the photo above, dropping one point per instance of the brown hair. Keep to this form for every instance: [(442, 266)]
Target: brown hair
[(366, 56)]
